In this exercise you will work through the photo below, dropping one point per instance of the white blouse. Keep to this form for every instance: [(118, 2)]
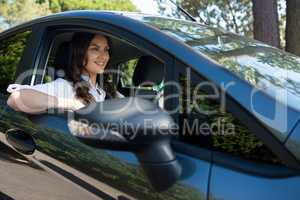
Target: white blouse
[(63, 89)]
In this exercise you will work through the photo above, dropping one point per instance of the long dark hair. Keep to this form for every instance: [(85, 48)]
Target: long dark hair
[(78, 48)]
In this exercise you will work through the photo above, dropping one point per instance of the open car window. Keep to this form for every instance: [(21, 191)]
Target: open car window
[(132, 71)]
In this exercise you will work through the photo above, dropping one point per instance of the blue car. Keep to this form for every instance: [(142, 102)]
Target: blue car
[(222, 114)]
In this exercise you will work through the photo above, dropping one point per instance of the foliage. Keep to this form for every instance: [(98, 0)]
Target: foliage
[(64, 5), (11, 51), (127, 69), (231, 15), (15, 12)]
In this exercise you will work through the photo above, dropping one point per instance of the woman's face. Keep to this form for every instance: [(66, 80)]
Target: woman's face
[(97, 55)]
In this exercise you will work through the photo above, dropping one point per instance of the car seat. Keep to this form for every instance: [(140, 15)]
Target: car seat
[(57, 62), (148, 79), (61, 59)]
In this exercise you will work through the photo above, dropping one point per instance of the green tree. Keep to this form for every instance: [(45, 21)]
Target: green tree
[(11, 50), (64, 5), (231, 15), (14, 12), (238, 16)]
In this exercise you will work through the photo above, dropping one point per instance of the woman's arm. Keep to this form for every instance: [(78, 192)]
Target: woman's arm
[(38, 98), (31, 101)]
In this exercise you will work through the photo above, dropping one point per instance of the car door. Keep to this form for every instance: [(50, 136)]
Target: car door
[(22, 176), (104, 173), (244, 167), (250, 167), (196, 162)]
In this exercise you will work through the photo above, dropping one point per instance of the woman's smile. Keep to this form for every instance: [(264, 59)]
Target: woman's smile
[(100, 63)]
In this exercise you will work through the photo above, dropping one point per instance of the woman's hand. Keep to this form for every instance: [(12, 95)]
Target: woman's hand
[(80, 129)]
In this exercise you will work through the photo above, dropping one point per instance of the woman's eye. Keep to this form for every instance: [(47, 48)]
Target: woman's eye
[(98, 49)]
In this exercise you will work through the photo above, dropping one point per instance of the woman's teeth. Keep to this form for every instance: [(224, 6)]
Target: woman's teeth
[(99, 63)]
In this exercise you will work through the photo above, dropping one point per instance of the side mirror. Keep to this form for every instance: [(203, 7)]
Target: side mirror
[(136, 125)]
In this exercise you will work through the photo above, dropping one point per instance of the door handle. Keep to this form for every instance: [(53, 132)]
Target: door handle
[(21, 141)]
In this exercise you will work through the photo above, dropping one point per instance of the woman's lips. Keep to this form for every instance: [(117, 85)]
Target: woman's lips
[(100, 63)]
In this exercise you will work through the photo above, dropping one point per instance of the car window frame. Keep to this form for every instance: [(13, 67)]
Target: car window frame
[(51, 27)]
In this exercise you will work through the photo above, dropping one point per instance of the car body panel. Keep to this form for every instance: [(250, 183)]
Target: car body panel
[(228, 184), (119, 170)]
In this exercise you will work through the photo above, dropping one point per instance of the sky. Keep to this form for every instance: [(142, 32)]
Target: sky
[(146, 6), (150, 7)]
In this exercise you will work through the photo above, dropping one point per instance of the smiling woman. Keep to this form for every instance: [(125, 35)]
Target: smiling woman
[(86, 61)]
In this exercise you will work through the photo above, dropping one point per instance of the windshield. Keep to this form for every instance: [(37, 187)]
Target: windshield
[(263, 66)]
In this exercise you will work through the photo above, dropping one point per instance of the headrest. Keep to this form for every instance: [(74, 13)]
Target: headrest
[(148, 70), (62, 56)]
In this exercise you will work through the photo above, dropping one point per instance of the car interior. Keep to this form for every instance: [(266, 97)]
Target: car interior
[(133, 72)]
